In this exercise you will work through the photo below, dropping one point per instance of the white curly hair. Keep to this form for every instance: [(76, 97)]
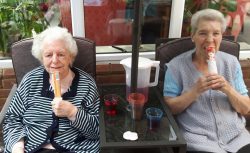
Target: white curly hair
[(51, 34)]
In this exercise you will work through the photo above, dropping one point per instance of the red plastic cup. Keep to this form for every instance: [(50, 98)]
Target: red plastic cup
[(136, 101)]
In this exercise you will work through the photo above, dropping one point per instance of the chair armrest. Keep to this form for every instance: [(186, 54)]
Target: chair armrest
[(3, 112), (7, 103)]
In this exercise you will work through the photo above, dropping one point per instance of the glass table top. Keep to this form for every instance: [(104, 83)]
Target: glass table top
[(112, 127)]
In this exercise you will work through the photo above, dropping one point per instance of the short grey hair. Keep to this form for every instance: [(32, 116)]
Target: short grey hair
[(51, 34), (209, 15)]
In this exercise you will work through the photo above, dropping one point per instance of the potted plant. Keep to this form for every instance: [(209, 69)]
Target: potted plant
[(18, 18)]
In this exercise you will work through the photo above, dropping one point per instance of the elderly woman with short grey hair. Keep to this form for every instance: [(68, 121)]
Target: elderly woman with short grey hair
[(204, 88), (208, 14), (37, 120)]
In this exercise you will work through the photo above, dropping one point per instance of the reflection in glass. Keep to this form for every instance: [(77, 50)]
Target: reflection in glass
[(110, 22), (64, 6)]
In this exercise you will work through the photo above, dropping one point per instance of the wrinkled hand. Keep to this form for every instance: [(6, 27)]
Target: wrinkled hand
[(200, 86), (217, 82), (63, 108), (17, 150), (211, 81), (18, 147)]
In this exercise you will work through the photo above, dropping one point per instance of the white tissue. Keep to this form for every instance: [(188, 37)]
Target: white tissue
[(128, 135)]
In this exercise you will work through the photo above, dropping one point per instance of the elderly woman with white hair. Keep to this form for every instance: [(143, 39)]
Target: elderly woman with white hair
[(71, 124), (209, 104)]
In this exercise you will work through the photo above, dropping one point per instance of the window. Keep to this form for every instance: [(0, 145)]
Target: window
[(110, 23), (174, 25)]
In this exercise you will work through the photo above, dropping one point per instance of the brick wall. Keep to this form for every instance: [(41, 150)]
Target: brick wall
[(108, 73), (7, 79)]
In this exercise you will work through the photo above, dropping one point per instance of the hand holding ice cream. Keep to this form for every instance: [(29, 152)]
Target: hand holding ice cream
[(61, 108)]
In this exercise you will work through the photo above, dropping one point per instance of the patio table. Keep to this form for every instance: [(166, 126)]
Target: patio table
[(167, 138)]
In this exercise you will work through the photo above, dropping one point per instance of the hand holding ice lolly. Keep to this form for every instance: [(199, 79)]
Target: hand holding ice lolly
[(212, 68)]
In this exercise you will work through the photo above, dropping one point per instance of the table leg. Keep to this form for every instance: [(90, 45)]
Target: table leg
[(182, 149), (107, 151), (166, 150), (173, 150)]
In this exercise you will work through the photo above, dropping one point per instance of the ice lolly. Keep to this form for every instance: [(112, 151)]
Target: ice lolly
[(212, 67), (56, 84)]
